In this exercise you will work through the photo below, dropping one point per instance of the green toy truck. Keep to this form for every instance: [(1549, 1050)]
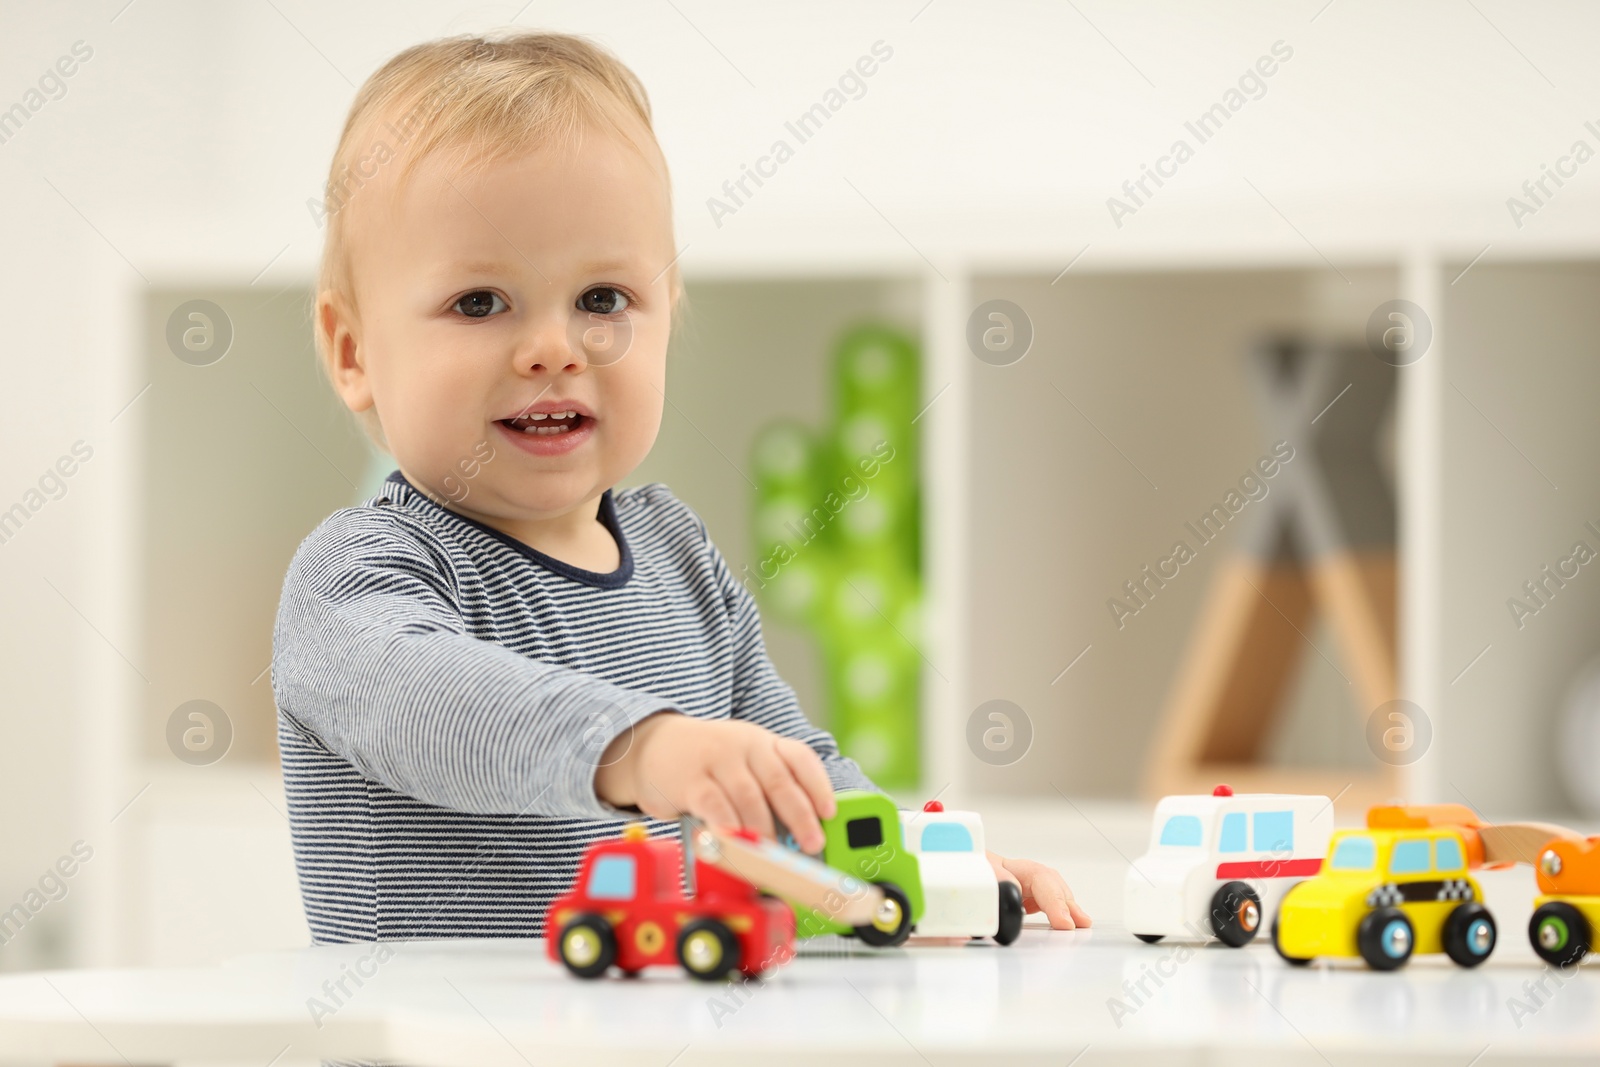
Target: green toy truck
[(864, 839)]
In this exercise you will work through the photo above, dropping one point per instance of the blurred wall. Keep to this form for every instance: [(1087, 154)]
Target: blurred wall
[(746, 353), (1132, 414), (243, 457), (1521, 493)]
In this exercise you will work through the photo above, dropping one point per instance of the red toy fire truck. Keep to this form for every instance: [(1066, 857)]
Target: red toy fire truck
[(628, 907)]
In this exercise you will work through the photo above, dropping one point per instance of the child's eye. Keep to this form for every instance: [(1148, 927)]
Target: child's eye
[(480, 304), (603, 300)]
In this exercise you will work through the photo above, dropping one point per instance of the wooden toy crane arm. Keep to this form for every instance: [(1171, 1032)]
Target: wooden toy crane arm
[(1520, 842), (784, 872), (1488, 844)]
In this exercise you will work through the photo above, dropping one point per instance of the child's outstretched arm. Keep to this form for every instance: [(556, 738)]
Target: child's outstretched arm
[(372, 658)]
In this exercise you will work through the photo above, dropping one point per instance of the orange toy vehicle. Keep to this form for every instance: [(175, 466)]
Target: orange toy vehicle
[(628, 909), (1567, 911), (1567, 864)]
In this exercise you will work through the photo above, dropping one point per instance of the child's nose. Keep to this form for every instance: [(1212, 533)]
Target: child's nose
[(552, 349)]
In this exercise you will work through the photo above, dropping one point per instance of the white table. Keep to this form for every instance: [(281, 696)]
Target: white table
[(1043, 1000)]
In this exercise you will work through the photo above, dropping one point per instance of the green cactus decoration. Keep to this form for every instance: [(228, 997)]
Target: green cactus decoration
[(838, 546)]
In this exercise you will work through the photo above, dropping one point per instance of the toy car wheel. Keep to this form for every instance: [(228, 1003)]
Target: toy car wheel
[(892, 925), (1469, 934), (587, 945), (708, 950), (1010, 913), (1560, 934), (1235, 914), (1149, 939), (1277, 945), (1385, 938)]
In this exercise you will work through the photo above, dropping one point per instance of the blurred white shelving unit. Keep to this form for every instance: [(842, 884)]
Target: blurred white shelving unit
[(1032, 517), (1509, 324)]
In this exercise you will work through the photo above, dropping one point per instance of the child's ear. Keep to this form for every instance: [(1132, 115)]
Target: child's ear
[(340, 349)]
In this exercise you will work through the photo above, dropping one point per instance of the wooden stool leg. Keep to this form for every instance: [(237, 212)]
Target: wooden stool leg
[(1236, 670), (1248, 641), (1357, 590), (1323, 542)]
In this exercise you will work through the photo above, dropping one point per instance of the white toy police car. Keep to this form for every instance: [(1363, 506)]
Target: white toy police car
[(961, 895)]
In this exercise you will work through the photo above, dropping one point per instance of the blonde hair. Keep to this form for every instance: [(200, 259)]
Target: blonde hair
[(482, 99)]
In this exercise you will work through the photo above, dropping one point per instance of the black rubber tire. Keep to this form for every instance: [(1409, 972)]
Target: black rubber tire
[(1277, 946), (879, 938), (1459, 935), (1235, 914), (596, 927), (1575, 940), (727, 956), (1371, 937), (1010, 927), (1149, 939)]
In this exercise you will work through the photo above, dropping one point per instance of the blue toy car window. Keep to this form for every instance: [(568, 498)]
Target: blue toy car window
[(946, 837), (1354, 854), (612, 878), (1181, 830), (1232, 833), (1409, 857), (1274, 831), (1447, 854)]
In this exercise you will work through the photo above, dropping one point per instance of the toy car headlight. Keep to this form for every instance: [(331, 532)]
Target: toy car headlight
[(1550, 862)]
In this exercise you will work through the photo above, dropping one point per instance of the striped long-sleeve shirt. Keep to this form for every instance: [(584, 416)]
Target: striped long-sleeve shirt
[(445, 691)]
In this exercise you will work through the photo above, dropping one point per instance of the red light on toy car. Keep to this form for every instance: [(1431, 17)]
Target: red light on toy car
[(1222, 791), (933, 805)]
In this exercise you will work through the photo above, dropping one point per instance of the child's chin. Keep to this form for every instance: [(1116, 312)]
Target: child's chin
[(551, 493)]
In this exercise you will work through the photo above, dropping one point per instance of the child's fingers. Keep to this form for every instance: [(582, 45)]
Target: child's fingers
[(749, 800), (707, 802), (808, 771), (654, 803), (1004, 874), (789, 801), (1051, 896), (1043, 890)]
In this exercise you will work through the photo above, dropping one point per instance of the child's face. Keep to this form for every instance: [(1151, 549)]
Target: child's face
[(531, 285)]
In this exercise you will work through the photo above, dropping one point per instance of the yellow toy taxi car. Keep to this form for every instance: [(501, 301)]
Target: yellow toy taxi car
[(1397, 888)]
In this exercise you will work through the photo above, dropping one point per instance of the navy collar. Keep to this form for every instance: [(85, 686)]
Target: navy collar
[(608, 518)]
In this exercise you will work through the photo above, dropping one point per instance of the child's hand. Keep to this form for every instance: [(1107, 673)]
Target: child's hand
[(1043, 889), (725, 772)]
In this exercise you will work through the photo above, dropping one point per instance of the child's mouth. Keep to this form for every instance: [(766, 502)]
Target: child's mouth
[(548, 433), (554, 424)]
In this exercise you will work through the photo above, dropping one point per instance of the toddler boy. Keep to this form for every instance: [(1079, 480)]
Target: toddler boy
[(490, 664)]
